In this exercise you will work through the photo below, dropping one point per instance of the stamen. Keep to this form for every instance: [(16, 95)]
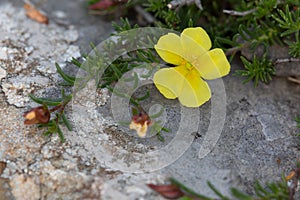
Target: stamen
[(189, 66)]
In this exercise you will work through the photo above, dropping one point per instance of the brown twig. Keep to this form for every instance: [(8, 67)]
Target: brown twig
[(294, 80), (60, 107), (147, 16), (285, 60), (177, 3), (238, 13), (232, 51)]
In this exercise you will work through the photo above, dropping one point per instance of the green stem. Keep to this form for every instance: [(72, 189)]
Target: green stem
[(188, 190)]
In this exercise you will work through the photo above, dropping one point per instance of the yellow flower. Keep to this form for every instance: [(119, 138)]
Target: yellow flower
[(141, 129), (193, 62), (140, 123)]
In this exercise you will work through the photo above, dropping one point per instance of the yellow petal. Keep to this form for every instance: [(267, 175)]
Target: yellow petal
[(141, 130), (199, 35), (195, 91), (185, 84), (165, 91), (30, 115), (191, 49), (212, 65), (169, 81), (169, 49)]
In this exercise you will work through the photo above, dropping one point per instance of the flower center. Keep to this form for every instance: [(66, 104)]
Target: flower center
[(189, 66)]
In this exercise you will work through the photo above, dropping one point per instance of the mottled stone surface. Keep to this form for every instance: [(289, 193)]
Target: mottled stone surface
[(2, 73), (29, 50), (259, 131), (259, 128)]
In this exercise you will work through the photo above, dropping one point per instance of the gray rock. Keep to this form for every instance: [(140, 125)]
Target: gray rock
[(29, 49), (3, 53), (259, 128), (24, 187), (2, 73)]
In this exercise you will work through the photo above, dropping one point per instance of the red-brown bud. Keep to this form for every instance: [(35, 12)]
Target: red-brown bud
[(140, 123), (38, 115), (167, 191)]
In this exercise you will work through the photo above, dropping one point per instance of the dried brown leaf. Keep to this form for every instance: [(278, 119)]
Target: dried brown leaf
[(35, 15), (106, 4), (167, 191)]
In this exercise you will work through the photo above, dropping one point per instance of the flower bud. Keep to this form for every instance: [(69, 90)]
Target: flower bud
[(38, 115), (140, 123)]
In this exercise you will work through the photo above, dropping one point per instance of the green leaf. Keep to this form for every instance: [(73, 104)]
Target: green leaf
[(65, 84), (188, 190), (134, 111), (226, 41), (47, 133), (46, 101), (288, 20), (116, 71), (259, 190), (76, 62), (185, 198), (60, 133), (67, 78), (294, 47), (160, 112), (146, 96), (165, 129), (297, 119), (160, 137), (258, 70), (240, 195), (66, 121), (217, 192)]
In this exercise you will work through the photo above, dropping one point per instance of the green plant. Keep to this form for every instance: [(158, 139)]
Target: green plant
[(112, 69), (250, 24), (259, 69), (280, 190), (289, 21), (272, 191), (233, 25), (268, 22), (57, 107)]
